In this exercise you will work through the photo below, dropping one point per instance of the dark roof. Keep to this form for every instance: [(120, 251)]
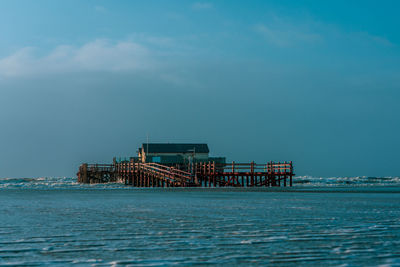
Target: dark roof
[(176, 148)]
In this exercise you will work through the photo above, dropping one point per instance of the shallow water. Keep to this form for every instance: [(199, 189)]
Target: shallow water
[(155, 227)]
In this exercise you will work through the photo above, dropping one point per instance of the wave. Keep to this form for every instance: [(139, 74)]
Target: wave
[(71, 183), (345, 181), (51, 182)]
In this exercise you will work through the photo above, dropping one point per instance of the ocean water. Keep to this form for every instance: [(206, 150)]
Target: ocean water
[(57, 222)]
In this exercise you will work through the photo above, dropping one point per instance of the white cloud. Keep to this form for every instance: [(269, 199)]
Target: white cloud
[(100, 9), (100, 55), (202, 5), (285, 32), (379, 40), (286, 35)]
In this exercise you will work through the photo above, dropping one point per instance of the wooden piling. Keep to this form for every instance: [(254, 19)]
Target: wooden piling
[(206, 174)]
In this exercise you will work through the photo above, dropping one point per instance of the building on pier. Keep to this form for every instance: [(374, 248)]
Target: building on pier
[(185, 165), (175, 153)]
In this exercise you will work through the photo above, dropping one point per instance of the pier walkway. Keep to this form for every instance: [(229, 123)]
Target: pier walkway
[(202, 174)]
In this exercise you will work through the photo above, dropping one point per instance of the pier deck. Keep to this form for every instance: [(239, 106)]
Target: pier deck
[(203, 174)]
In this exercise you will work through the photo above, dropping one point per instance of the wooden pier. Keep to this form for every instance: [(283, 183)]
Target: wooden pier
[(201, 174)]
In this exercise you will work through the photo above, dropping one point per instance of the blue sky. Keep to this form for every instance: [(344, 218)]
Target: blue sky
[(316, 82)]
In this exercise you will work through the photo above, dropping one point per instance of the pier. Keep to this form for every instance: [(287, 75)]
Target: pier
[(185, 165), (206, 174)]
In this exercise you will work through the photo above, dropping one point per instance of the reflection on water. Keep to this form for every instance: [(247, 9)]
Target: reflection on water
[(184, 226)]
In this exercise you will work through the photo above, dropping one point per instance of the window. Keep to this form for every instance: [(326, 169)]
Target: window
[(156, 159)]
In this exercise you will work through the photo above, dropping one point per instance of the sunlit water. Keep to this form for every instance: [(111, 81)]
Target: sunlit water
[(54, 221)]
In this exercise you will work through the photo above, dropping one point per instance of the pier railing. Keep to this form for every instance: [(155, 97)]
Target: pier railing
[(205, 174), (244, 174), (270, 167), (163, 172)]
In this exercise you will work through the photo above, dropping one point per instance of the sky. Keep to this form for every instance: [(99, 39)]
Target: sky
[(313, 82)]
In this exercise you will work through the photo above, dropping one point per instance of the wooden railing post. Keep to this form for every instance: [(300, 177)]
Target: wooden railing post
[(291, 173), (252, 173), (209, 173), (284, 175), (205, 174), (213, 174)]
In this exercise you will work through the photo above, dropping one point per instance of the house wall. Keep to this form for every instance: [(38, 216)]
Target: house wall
[(184, 156)]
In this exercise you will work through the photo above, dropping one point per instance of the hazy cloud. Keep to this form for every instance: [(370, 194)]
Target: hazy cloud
[(99, 55), (202, 5), (100, 9), (282, 31), (379, 40), (286, 35)]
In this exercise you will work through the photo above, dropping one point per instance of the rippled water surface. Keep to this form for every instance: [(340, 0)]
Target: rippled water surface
[(154, 227)]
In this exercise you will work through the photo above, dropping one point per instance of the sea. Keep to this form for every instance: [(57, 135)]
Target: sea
[(337, 221)]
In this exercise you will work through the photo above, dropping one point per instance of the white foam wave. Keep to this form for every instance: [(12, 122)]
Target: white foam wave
[(69, 182), (345, 181), (49, 183)]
